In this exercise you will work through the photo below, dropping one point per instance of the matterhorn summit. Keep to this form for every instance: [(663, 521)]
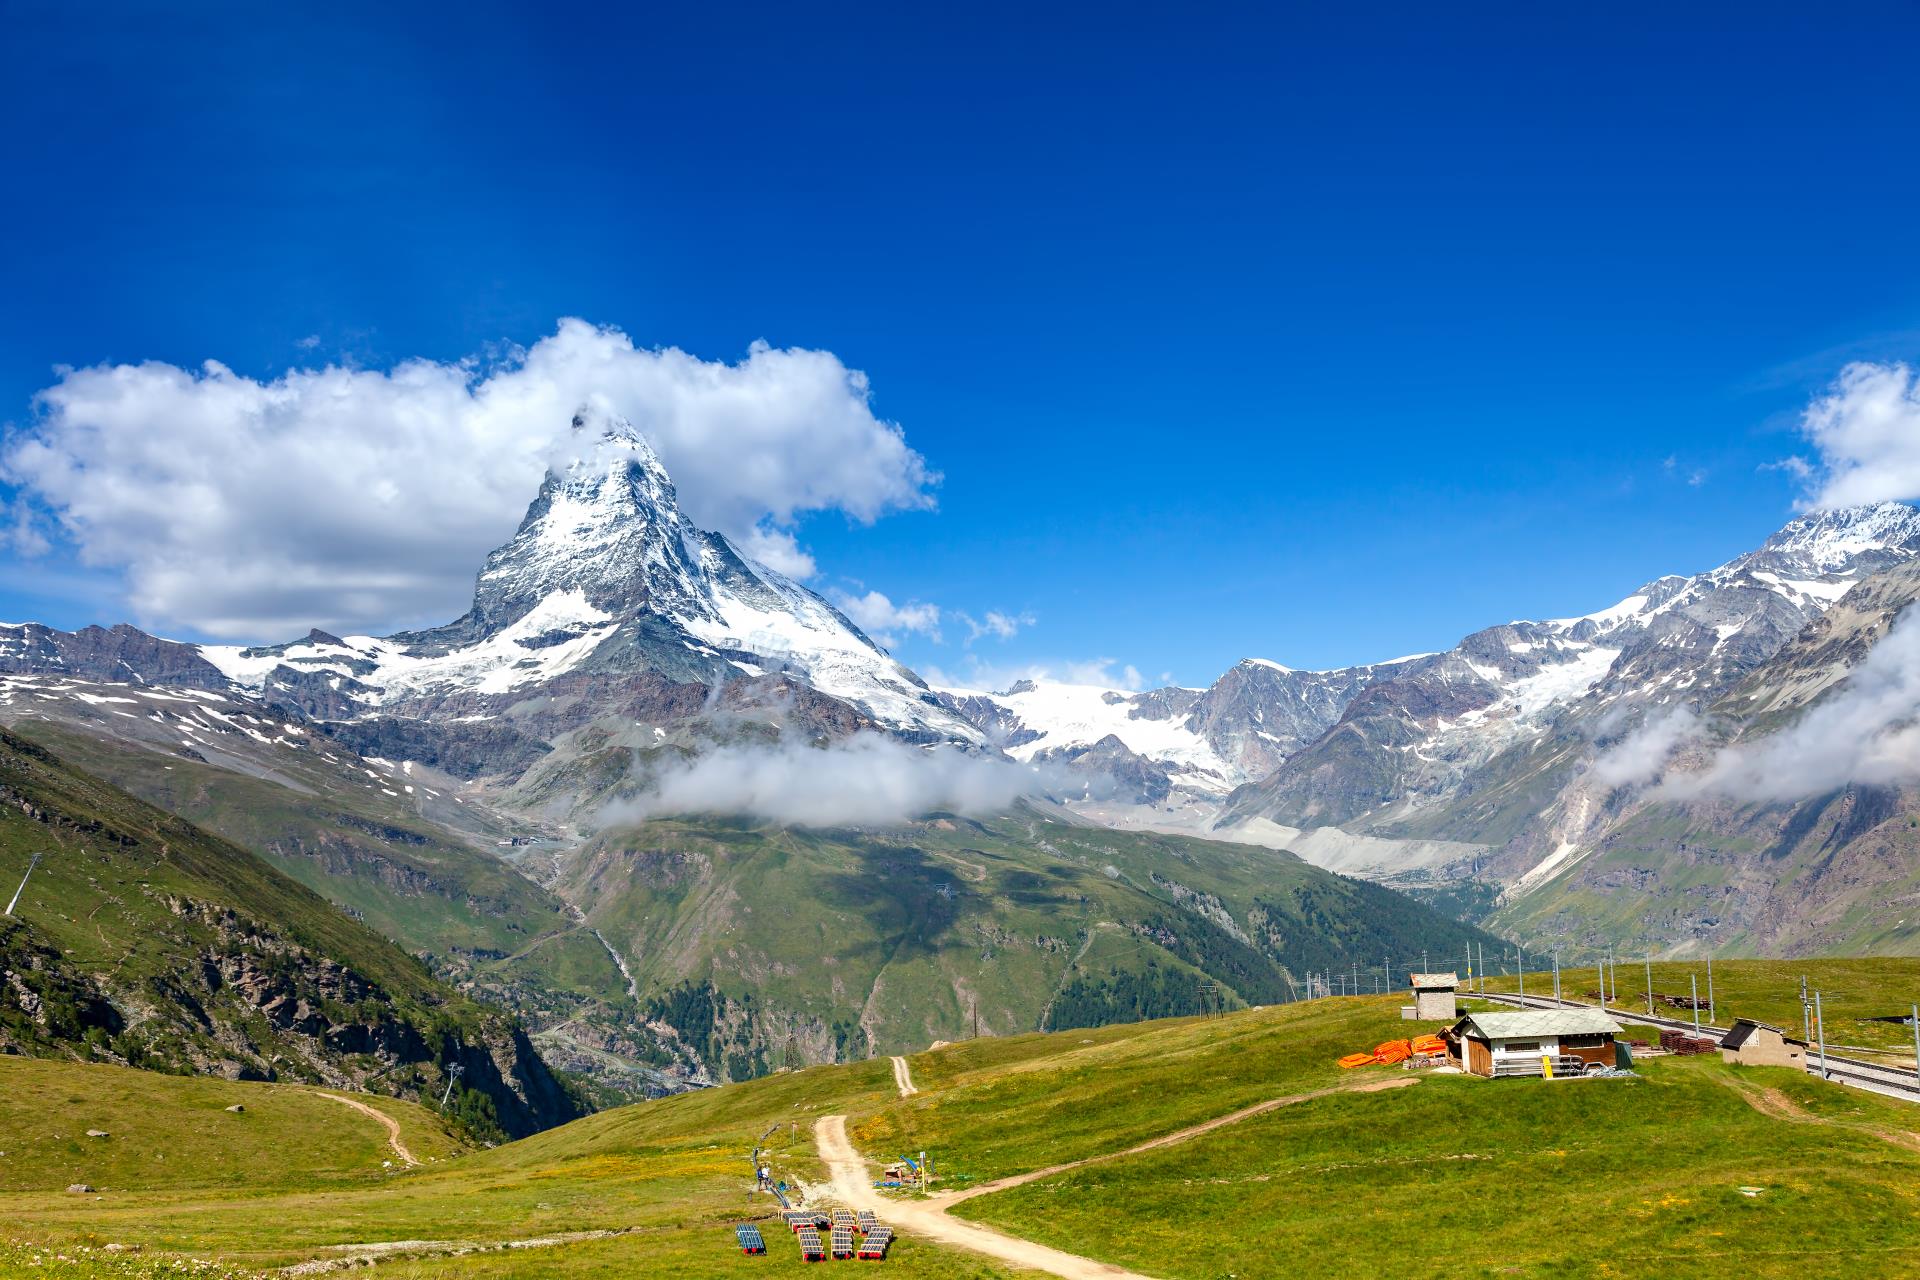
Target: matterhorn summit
[(608, 601)]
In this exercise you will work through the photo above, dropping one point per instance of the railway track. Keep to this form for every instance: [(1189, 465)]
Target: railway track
[(1875, 1077)]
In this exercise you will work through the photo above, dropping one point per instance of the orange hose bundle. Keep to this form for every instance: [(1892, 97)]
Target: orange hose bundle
[(1392, 1051), (1353, 1060), (1429, 1044)]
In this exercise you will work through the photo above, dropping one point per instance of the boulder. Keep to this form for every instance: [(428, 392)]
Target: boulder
[(98, 1133), (81, 1189), (237, 1107)]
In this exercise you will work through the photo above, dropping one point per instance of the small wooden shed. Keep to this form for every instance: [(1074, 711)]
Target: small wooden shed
[(1761, 1044), (1534, 1042), (1433, 996)]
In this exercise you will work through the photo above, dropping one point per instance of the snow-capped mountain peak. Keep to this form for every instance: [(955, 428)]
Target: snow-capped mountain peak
[(605, 579)]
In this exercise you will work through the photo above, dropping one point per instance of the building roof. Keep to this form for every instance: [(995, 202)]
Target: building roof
[(1743, 1029), (1533, 1023), (1435, 981)]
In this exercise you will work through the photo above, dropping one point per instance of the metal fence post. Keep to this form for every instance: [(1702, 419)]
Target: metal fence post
[(1693, 979)]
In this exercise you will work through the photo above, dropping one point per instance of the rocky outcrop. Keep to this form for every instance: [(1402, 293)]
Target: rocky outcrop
[(120, 654)]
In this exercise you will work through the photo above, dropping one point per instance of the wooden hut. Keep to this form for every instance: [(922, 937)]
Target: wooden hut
[(1534, 1042)]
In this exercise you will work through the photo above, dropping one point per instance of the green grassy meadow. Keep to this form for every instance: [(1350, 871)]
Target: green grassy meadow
[(1689, 1164)]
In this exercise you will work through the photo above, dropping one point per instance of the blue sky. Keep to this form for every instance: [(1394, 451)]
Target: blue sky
[(1230, 331)]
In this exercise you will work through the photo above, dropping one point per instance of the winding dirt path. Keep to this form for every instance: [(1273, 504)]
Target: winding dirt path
[(1774, 1104), (387, 1122), (853, 1184), (1177, 1136), (903, 1077)]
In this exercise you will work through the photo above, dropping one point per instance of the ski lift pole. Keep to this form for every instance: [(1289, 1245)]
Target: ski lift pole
[(1694, 980)]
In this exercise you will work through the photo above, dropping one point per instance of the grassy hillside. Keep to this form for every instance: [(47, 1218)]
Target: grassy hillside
[(335, 830), (1678, 1169), (168, 1133), (142, 939), (1838, 874), (650, 1188), (769, 947), (389, 843)]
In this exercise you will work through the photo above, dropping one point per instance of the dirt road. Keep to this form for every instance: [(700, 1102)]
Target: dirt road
[(391, 1125), (903, 1077), (853, 1183)]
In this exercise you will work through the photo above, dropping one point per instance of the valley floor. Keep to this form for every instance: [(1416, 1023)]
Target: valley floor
[(1194, 1148)]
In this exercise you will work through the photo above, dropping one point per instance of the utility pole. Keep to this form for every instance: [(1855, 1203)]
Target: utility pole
[(32, 862), (1806, 1013), (1650, 986), (1556, 978), (1693, 979), (1916, 1040), (1821, 1022), (1520, 958), (1712, 1021)]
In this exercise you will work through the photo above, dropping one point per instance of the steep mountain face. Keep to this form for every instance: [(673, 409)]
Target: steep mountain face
[(1466, 776), (1470, 744), (762, 947), (1190, 746), (143, 940), (1663, 862)]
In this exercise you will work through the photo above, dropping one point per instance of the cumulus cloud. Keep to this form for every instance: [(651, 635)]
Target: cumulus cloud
[(362, 499), (1866, 433), (866, 780), (878, 616), (1864, 733)]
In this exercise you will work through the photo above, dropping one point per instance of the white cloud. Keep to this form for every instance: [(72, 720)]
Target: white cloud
[(363, 499), (882, 619), (1866, 431), (21, 532), (866, 780), (1642, 755), (999, 625), (1864, 733), (979, 675)]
